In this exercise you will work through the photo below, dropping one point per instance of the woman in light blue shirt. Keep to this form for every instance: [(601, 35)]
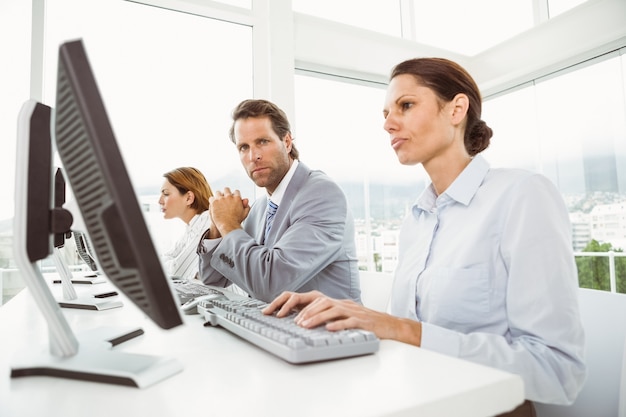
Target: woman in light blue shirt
[(486, 270), (185, 195)]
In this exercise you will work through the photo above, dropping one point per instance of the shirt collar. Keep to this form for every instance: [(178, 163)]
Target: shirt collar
[(196, 218), (279, 192), (462, 189), (193, 220)]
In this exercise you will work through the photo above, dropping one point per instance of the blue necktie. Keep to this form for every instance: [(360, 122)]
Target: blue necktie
[(271, 211)]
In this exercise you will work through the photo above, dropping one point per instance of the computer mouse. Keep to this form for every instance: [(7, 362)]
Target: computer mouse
[(190, 307)]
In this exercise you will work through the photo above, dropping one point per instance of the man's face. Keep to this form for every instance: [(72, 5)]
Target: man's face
[(262, 153)]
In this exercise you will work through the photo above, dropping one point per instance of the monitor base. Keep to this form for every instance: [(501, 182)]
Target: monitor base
[(101, 365), (96, 362), (90, 303)]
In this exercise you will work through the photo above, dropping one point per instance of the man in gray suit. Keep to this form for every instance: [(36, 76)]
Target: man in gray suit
[(307, 243)]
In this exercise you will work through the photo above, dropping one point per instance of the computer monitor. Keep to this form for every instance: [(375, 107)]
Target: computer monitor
[(59, 200), (109, 207), (83, 247), (96, 301)]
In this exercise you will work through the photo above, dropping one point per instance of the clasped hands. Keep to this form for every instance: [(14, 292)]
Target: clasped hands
[(228, 210)]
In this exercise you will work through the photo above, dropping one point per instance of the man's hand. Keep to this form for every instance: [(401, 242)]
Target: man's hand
[(228, 210)]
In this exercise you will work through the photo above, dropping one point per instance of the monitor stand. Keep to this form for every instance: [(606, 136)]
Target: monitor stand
[(95, 361), (86, 356), (70, 298), (89, 357), (97, 364)]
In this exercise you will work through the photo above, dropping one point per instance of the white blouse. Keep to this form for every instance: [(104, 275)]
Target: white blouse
[(181, 260)]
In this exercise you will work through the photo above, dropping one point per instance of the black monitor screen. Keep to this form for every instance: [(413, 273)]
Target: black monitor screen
[(102, 188)]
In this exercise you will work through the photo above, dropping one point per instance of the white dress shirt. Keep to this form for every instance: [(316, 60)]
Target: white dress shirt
[(279, 192), (488, 268), (181, 260)]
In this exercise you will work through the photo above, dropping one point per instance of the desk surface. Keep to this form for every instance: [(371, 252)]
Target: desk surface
[(224, 375)]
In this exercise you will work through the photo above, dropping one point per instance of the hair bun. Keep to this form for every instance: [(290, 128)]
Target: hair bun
[(478, 138)]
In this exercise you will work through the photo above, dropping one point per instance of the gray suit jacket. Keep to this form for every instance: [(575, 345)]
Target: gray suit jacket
[(311, 245)]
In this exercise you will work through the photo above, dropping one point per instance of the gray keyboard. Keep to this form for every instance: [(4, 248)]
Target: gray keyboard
[(188, 290), (282, 336)]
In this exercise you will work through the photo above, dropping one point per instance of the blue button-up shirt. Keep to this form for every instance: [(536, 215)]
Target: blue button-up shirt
[(488, 268)]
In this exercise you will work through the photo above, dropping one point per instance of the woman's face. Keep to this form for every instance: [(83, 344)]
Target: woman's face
[(173, 203), (418, 124)]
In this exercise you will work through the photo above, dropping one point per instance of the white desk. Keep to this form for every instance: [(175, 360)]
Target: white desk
[(225, 375)]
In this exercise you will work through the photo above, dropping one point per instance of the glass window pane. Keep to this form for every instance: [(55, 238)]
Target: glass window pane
[(344, 137), (246, 4), (378, 15), (169, 89), (469, 27), (15, 17), (582, 122), (14, 85), (556, 7), (515, 142), (572, 128)]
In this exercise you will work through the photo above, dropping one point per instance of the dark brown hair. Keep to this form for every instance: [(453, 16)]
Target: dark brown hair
[(263, 108), (447, 79), (191, 179)]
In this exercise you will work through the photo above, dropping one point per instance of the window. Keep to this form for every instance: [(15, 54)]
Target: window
[(378, 15), (572, 128), (513, 119), (170, 83), (474, 19), (339, 129), (14, 85), (557, 7), (168, 87)]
